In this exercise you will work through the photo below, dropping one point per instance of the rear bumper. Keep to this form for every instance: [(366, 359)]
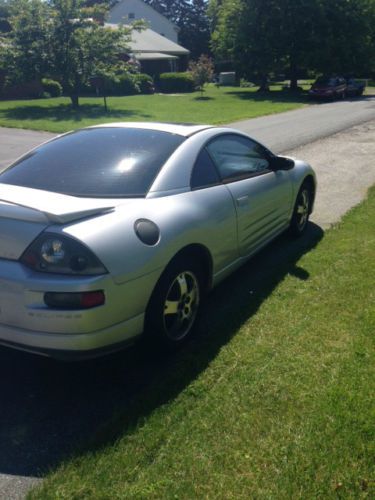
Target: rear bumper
[(73, 346), (27, 323)]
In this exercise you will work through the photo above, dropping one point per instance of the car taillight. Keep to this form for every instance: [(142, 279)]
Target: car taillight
[(54, 253), (74, 300)]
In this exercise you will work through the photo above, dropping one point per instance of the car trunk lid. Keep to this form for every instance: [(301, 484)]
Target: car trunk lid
[(26, 212)]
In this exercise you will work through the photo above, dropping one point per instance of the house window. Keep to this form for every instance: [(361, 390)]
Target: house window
[(131, 15)]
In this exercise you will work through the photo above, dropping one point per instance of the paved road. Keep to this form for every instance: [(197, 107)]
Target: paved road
[(286, 131), (279, 132), (46, 408), (15, 142)]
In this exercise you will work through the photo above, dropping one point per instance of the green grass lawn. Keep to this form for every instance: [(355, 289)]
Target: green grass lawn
[(221, 105), (274, 398)]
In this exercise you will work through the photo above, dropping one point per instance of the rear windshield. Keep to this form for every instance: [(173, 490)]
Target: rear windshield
[(99, 162)]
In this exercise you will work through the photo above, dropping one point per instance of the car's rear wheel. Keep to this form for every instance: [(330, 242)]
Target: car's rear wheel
[(175, 303), (301, 212)]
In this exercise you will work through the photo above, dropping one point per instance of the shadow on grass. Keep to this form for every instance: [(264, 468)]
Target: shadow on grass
[(203, 98), (273, 96), (49, 409), (286, 96), (64, 112)]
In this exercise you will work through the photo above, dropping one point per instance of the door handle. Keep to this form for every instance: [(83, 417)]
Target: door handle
[(243, 201)]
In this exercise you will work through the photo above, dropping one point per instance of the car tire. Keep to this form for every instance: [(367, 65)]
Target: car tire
[(175, 303), (301, 211)]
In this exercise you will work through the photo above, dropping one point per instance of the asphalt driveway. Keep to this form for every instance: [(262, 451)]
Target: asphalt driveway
[(47, 408), (280, 132)]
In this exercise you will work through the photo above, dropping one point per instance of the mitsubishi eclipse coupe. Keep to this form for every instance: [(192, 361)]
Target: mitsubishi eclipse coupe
[(118, 230)]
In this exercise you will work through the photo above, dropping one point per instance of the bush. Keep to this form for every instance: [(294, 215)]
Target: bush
[(176, 82), (124, 84), (202, 71), (245, 84), (145, 83), (51, 87)]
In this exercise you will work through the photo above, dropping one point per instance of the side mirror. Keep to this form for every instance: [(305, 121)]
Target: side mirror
[(281, 163)]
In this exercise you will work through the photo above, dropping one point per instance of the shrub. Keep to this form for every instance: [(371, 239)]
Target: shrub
[(176, 82), (51, 87), (124, 84), (202, 71), (245, 84), (145, 83)]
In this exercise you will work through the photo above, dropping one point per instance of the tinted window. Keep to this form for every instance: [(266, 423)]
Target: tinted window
[(238, 157), (103, 162), (204, 172)]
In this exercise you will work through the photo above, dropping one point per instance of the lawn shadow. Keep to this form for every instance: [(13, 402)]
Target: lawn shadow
[(64, 112), (276, 96), (48, 409), (203, 98)]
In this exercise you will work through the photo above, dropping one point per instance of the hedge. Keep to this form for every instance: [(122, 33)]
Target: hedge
[(53, 88), (176, 82), (145, 83)]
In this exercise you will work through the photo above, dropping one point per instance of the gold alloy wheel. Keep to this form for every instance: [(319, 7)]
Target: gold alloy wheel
[(181, 306)]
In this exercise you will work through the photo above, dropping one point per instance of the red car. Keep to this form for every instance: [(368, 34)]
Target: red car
[(329, 88)]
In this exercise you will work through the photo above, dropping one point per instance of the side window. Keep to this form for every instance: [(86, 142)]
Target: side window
[(204, 172), (237, 157)]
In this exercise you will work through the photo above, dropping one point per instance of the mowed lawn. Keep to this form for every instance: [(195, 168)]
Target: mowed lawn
[(275, 397), (221, 105)]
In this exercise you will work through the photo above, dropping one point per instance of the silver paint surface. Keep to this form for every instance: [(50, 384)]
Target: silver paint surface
[(231, 221)]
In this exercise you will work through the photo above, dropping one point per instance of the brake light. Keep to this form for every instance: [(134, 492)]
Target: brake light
[(74, 300)]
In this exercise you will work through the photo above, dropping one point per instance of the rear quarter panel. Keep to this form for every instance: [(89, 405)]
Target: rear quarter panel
[(205, 217)]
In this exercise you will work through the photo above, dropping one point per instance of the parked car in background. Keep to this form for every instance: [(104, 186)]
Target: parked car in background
[(119, 229), (328, 88), (354, 87)]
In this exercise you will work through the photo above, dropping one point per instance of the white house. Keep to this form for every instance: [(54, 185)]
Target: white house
[(126, 11), (156, 47)]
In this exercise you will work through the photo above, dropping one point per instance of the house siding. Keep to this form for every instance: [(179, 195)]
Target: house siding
[(157, 22)]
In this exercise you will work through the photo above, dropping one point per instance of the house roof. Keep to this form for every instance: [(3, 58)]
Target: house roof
[(148, 40), (153, 56)]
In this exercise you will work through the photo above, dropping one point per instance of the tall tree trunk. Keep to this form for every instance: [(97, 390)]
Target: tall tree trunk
[(293, 75), (264, 87), (75, 101)]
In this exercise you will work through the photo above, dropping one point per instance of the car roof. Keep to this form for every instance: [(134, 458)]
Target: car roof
[(183, 129)]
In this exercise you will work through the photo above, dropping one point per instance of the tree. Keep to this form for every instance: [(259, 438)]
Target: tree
[(349, 37), (82, 47), (5, 13), (190, 16), (26, 45), (264, 36), (244, 32), (202, 71), (64, 40)]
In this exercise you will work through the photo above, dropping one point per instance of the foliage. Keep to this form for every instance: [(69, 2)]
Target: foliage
[(262, 37), (191, 18), (202, 71), (63, 39), (83, 48), (176, 82), (5, 14), (245, 84), (53, 88), (123, 84), (26, 48), (145, 83)]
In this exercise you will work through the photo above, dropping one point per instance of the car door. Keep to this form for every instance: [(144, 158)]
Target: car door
[(262, 196)]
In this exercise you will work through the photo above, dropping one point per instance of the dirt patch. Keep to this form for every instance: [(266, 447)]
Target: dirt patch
[(345, 167)]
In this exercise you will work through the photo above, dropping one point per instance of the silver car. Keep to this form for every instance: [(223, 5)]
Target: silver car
[(120, 229)]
